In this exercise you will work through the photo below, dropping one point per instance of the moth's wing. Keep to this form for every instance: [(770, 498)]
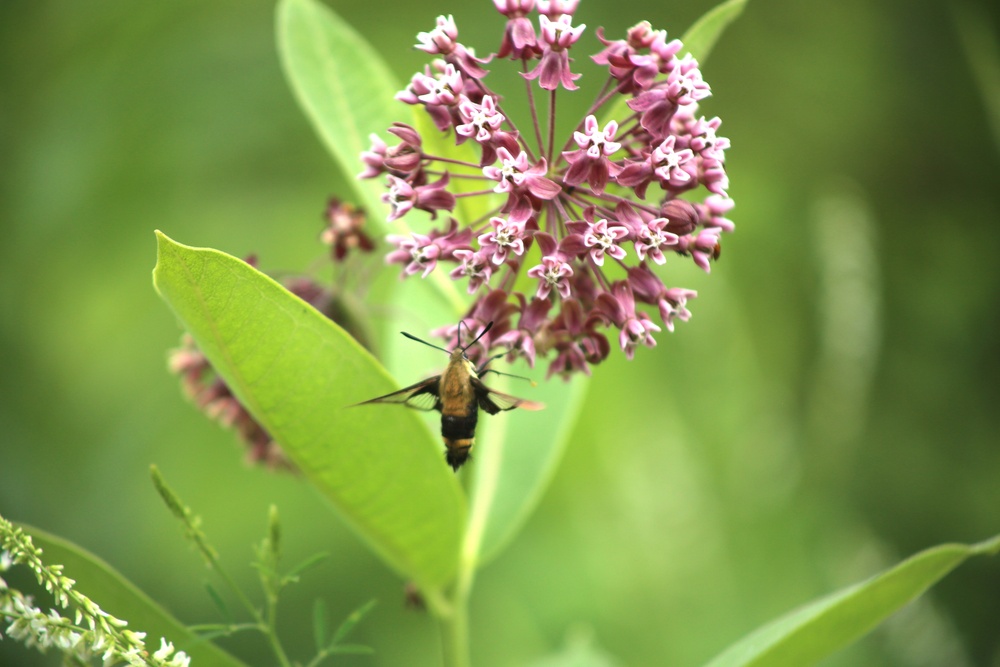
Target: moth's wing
[(424, 395), (494, 401)]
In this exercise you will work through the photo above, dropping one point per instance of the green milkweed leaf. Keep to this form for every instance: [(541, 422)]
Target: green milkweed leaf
[(701, 37), (344, 87), (820, 628), (297, 373)]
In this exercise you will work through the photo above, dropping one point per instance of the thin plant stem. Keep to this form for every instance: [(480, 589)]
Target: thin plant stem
[(552, 125), (533, 108), (461, 163), (266, 626), (194, 533), (474, 177), (459, 195)]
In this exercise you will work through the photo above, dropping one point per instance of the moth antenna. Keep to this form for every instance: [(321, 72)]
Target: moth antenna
[(482, 366), (476, 339), (412, 337), (510, 375), (483, 370)]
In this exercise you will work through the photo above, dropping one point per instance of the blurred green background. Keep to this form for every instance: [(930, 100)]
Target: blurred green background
[(830, 409)]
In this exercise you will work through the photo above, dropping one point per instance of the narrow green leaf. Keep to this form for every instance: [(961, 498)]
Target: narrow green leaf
[(320, 624), (219, 602), (119, 597), (702, 36), (343, 85), (981, 44), (354, 649), (820, 628), (170, 499), (514, 462), (699, 40), (274, 534), (307, 564), (213, 630), (352, 620), (297, 373)]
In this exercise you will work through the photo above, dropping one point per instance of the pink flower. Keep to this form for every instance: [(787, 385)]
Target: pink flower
[(553, 68), (474, 265), (519, 179), (519, 34), (533, 316), (552, 273), (636, 327), (576, 340), (591, 161), (675, 169), (602, 239), (482, 121), (653, 238), (344, 232), (374, 158), (672, 303), (421, 252), (703, 246), (403, 196), (439, 93), (507, 236), (443, 40), (556, 8)]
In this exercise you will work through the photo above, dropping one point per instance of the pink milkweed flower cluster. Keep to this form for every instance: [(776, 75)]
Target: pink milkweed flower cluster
[(591, 219)]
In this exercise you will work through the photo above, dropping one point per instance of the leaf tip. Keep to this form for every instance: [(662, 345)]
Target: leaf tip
[(162, 239)]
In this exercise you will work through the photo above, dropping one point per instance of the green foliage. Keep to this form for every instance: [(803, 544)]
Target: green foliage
[(335, 644), (342, 85), (98, 581), (299, 373), (817, 630), (701, 37), (272, 580)]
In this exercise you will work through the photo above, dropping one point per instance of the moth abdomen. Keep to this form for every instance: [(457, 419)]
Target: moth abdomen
[(459, 427)]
